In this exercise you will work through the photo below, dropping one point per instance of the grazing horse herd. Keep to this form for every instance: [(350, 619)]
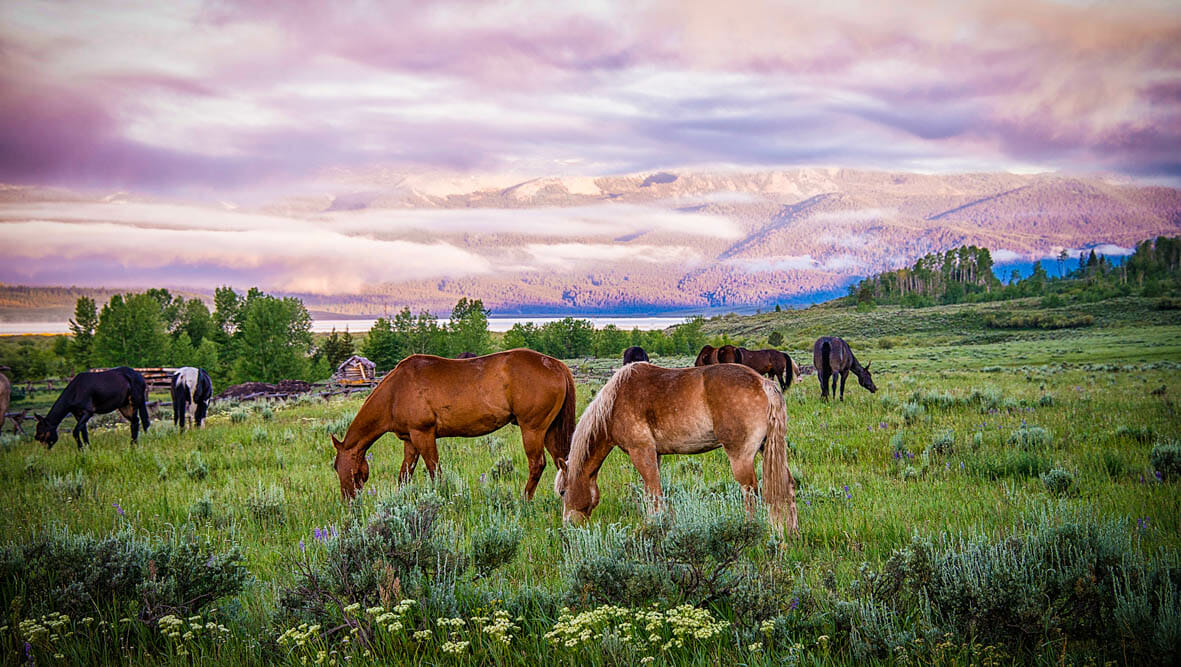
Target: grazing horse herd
[(647, 411)]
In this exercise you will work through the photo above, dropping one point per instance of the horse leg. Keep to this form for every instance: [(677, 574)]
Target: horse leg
[(744, 471), (644, 459), (132, 416), (409, 462), (534, 442), (823, 385), (424, 443), (81, 435), (844, 374)]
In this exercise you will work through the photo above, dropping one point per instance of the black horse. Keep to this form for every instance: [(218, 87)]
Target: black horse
[(97, 393), (832, 357), (633, 354), (191, 390)]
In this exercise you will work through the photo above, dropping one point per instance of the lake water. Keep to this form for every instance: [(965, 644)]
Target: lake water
[(361, 326)]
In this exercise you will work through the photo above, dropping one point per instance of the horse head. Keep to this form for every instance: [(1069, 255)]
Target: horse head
[(729, 354), (865, 380), (580, 495), (352, 475), (46, 432)]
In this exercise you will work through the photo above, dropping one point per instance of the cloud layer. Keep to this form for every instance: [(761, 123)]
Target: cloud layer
[(195, 97)]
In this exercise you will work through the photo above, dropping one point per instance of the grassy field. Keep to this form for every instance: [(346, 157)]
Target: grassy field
[(958, 447)]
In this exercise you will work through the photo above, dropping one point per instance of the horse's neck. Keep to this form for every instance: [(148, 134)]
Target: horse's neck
[(373, 420), (59, 410)]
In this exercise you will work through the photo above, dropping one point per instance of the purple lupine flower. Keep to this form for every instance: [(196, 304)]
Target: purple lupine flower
[(794, 604), (29, 652), (808, 502), (848, 494), (1141, 478), (1159, 476), (302, 547), (883, 425), (961, 465), (118, 508), (334, 531)]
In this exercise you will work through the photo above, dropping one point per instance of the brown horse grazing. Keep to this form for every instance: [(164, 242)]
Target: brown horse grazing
[(708, 355), (427, 397), (772, 363), (832, 357), (726, 354), (647, 411), (633, 354)]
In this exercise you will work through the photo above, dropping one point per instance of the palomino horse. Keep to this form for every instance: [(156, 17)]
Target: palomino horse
[(832, 357), (633, 354), (427, 397), (772, 363), (88, 394), (191, 391), (647, 411)]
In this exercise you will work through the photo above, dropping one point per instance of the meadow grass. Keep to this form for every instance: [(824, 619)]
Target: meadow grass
[(944, 447)]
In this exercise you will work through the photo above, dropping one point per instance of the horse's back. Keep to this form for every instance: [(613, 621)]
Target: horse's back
[(685, 407), (483, 392)]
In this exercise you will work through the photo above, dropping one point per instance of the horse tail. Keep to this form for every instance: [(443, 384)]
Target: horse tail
[(778, 486), (561, 430), (788, 376), (139, 395), (595, 419), (825, 363)]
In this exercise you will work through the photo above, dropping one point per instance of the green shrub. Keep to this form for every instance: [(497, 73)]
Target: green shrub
[(503, 468), (239, 415), (400, 551), (1140, 433), (944, 443), (195, 467), (1031, 438), (69, 486), (1058, 482), (118, 574), (495, 544), (1066, 575), (201, 508), (691, 553), (912, 411), (1166, 459), (267, 504), (1019, 465), (1037, 321)]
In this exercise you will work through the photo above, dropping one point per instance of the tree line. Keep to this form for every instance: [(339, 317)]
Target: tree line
[(965, 275), (257, 337)]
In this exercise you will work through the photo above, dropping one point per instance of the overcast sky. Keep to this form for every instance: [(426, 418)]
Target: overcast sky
[(185, 97), (248, 102)]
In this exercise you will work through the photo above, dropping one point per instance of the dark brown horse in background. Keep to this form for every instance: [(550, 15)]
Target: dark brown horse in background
[(773, 364), (466, 355), (90, 394), (726, 354), (832, 357), (648, 411), (633, 354), (427, 397)]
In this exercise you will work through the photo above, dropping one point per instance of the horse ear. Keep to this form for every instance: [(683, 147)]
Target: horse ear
[(561, 463), (867, 364), (38, 417), (336, 443)]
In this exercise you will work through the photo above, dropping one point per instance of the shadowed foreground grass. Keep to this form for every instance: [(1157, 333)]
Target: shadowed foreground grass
[(957, 441)]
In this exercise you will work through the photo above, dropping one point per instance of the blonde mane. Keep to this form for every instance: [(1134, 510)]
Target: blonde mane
[(593, 422)]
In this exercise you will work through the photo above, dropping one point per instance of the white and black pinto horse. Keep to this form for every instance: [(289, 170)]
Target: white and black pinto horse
[(191, 391)]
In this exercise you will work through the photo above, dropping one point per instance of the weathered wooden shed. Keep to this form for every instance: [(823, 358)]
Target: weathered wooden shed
[(355, 370)]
